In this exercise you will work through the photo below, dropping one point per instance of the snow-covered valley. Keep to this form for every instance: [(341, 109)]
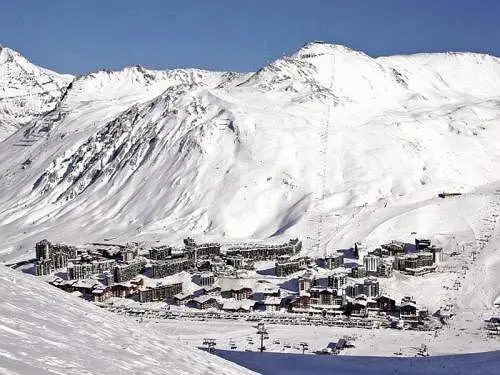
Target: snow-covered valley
[(328, 145)]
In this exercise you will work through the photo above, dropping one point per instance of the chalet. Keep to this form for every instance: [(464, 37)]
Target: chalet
[(387, 304), (238, 306), (101, 293), (299, 303), (422, 244), (212, 290), (86, 287), (66, 285), (272, 303), (263, 290), (359, 307), (77, 294), (372, 306), (123, 290), (205, 302), (181, 299), (336, 347), (238, 293), (409, 312)]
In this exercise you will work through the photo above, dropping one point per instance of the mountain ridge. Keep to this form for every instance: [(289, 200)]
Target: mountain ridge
[(218, 139)]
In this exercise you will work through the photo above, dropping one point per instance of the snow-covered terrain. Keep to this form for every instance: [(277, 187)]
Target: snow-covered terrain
[(47, 331), (323, 134), (329, 145)]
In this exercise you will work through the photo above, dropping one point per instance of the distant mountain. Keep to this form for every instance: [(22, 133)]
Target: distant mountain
[(26, 91)]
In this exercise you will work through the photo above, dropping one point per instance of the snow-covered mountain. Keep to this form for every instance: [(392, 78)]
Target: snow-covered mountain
[(26, 91), (47, 331), (309, 138)]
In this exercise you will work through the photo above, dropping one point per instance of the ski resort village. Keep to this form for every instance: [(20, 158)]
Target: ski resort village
[(327, 202), (261, 282)]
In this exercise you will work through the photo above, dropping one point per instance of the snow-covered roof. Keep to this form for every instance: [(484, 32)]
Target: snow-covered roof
[(204, 298), (228, 283), (272, 301), (86, 283), (233, 304), (182, 296)]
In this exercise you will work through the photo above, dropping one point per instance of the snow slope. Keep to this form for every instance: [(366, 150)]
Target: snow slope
[(46, 331)]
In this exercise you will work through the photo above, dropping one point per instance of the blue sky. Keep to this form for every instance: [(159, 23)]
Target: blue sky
[(82, 36)]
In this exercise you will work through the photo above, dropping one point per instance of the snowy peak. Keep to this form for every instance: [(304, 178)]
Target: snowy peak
[(328, 68), (26, 90), (319, 48), (318, 68), (136, 83), (6, 55)]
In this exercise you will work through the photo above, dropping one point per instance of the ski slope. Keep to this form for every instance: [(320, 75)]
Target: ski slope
[(46, 331)]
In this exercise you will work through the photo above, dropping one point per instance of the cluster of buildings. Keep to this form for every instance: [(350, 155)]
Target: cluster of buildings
[(417, 260), (207, 276), (337, 293), (50, 257)]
